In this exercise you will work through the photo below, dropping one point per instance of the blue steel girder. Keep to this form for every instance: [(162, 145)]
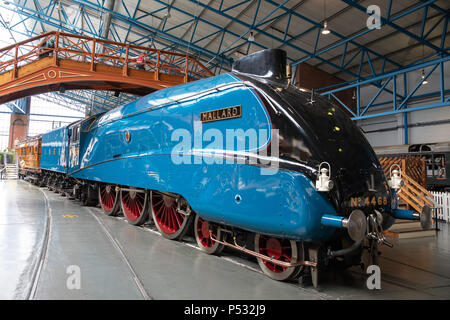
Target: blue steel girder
[(365, 51), (43, 14), (67, 100), (95, 5), (316, 25), (287, 42), (20, 106), (398, 102), (438, 8), (97, 101), (67, 26), (78, 95), (14, 108), (365, 31), (131, 18), (389, 21), (355, 52)]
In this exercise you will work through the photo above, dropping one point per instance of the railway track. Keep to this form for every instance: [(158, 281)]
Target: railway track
[(228, 255), (43, 253), (117, 245)]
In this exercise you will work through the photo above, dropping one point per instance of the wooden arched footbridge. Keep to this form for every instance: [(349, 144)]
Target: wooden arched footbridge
[(57, 61)]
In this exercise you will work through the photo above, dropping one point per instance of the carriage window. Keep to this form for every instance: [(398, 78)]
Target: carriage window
[(75, 133)]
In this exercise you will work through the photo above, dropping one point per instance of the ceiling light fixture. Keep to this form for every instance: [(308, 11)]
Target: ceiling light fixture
[(325, 29), (424, 81), (167, 14), (251, 38)]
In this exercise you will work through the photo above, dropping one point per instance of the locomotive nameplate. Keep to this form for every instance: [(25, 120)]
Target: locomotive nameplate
[(221, 114)]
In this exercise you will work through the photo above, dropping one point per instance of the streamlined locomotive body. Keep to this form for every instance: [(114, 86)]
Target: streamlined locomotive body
[(253, 162)]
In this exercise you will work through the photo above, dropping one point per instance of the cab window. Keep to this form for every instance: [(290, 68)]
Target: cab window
[(75, 134)]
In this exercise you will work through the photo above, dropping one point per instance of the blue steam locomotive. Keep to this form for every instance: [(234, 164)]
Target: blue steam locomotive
[(244, 160)]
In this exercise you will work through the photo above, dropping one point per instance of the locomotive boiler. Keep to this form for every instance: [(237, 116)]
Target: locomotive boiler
[(244, 160)]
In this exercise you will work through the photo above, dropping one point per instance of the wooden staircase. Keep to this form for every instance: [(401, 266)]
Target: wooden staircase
[(412, 195)]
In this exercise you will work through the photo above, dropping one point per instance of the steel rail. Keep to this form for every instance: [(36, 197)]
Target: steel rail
[(43, 252)]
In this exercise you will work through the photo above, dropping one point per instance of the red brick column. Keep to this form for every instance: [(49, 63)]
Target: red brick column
[(18, 129)]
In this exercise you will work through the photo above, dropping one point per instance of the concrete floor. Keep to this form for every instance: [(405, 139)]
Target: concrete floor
[(42, 235)]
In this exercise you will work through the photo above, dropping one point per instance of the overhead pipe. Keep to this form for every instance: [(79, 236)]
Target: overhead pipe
[(109, 5)]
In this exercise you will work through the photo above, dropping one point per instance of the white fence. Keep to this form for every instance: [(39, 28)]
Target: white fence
[(442, 201)]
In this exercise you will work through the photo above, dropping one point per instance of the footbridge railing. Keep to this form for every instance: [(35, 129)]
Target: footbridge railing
[(102, 60)]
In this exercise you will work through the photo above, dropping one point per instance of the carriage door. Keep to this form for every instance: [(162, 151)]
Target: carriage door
[(74, 148)]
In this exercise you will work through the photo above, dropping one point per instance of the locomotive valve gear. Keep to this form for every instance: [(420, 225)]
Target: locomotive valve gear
[(323, 182), (183, 206), (375, 229)]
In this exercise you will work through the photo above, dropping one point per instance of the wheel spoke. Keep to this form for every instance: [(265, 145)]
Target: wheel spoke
[(179, 223)]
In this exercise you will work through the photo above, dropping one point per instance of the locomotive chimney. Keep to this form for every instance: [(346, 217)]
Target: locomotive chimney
[(268, 64)]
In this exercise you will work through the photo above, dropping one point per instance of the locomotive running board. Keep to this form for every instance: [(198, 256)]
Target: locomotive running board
[(261, 256)]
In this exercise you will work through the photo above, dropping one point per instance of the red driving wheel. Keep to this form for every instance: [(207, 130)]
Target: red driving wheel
[(107, 196), (134, 205), (171, 222), (203, 230), (280, 249)]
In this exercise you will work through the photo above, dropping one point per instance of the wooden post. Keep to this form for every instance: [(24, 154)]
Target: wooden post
[(157, 66), (125, 65), (16, 51), (94, 44), (186, 70), (55, 53)]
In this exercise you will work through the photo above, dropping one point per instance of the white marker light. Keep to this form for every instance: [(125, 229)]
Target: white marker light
[(395, 182), (323, 182)]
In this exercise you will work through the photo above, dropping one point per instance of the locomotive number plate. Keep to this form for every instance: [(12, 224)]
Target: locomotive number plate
[(367, 201), (221, 114)]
